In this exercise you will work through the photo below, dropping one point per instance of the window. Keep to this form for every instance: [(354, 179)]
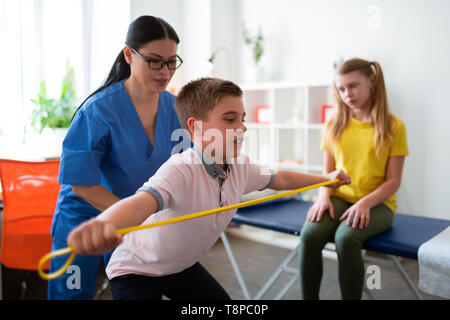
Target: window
[(11, 64), (40, 37)]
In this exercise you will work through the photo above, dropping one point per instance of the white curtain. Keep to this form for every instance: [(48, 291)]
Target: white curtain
[(38, 37), (110, 20), (11, 66)]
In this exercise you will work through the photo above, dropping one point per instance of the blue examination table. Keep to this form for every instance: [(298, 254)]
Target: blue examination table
[(403, 239)]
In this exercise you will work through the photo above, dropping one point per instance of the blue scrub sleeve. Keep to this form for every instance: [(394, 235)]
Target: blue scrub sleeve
[(82, 152)]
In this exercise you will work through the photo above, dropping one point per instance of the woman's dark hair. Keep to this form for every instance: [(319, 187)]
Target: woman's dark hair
[(141, 31)]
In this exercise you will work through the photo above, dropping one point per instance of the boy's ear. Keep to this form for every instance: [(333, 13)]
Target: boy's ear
[(193, 124)]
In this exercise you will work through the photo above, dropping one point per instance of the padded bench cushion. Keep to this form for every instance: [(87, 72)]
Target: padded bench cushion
[(403, 239)]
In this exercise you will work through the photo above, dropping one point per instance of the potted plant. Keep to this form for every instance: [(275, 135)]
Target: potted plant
[(255, 42), (52, 116)]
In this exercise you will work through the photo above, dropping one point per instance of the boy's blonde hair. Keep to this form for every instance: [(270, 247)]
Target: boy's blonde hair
[(198, 97), (381, 117)]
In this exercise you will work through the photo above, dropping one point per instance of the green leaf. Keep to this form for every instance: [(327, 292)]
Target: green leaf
[(52, 112), (255, 42)]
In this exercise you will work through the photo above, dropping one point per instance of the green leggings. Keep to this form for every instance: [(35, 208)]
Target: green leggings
[(315, 235)]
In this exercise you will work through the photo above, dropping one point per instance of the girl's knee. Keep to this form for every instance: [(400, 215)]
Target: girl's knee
[(313, 237), (306, 236), (347, 241), (310, 233)]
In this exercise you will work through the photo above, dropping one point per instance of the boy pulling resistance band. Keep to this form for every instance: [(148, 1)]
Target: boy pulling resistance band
[(164, 260)]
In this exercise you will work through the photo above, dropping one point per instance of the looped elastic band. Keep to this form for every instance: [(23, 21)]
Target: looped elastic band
[(53, 254), (65, 251)]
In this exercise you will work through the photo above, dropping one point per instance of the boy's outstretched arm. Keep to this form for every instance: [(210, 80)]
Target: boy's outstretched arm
[(286, 180), (98, 235)]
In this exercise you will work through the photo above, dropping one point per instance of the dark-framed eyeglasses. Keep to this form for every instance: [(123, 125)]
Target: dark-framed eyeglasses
[(158, 64)]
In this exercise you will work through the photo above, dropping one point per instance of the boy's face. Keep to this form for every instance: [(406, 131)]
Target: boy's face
[(222, 134)]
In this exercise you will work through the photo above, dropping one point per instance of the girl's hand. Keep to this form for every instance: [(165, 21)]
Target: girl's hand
[(359, 213), (94, 237), (316, 211), (341, 175)]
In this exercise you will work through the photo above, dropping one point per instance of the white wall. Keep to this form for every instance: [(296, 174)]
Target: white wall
[(225, 38), (305, 37), (412, 44)]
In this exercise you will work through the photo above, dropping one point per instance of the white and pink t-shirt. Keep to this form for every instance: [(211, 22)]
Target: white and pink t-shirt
[(188, 182)]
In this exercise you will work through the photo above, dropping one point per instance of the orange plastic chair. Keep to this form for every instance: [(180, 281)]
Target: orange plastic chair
[(30, 192)]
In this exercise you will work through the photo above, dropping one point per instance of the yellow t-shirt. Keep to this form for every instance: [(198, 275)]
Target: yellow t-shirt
[(355, 154)]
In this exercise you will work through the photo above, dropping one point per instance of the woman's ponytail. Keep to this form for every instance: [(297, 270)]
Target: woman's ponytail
[(120, 70)]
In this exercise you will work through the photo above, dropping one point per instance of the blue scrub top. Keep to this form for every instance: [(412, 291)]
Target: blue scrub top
[(106, 144)]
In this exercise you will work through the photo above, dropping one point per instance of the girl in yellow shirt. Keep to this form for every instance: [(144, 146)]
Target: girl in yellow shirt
[(367, 142)]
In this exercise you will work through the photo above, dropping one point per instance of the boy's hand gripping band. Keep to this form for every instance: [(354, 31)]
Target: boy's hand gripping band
[(65, 251)]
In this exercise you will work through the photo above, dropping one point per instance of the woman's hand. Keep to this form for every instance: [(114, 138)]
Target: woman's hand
[(341, 176), (94, 237), (359, 213), (316, 211)]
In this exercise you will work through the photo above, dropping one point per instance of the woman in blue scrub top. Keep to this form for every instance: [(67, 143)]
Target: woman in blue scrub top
[(118, 138)]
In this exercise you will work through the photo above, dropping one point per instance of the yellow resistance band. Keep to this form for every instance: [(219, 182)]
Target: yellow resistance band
[(65, 251)]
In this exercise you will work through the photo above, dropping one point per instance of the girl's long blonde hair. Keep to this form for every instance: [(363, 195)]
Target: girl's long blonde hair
[(381, 117)]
